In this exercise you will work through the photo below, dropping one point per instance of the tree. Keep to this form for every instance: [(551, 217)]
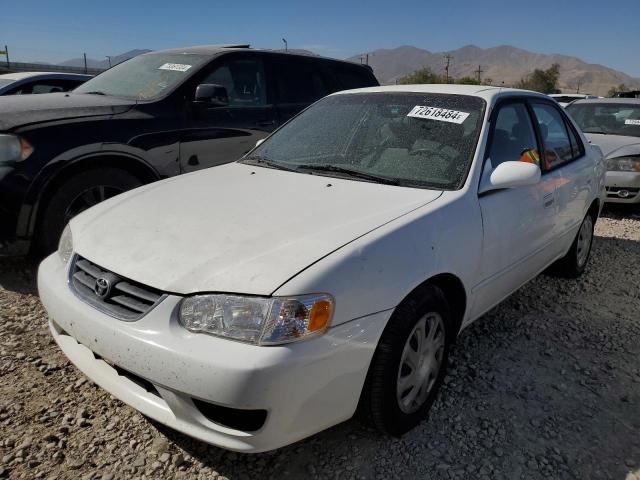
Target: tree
[(543, 81), (467, 81), (424, 75), (613, 90)]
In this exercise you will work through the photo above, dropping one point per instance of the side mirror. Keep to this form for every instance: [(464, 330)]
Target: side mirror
[(259, 141), (510, 175), (212, 95)]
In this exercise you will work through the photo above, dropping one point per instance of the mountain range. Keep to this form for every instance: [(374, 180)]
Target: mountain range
[(503, 65)]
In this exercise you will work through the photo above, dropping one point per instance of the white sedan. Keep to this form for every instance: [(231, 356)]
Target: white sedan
[(256, 303)]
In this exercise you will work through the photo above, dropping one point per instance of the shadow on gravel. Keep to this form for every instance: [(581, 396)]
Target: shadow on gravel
[(546, 385), (620, 210), (19, 274)]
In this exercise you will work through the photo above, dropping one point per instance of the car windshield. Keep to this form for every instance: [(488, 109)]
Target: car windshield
[(409, 139), (144, 77), (607, 118)]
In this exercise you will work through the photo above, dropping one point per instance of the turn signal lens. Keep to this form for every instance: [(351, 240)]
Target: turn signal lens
[(320, 315)]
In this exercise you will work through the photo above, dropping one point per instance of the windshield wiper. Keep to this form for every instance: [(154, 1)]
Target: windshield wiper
[(96, 92), (347, 171), (260, 160)]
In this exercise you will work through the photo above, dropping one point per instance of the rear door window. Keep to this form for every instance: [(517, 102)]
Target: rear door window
[(300, 81), (557, 146)]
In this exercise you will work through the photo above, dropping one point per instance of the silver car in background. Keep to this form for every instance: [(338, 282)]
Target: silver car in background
[(614, 125)]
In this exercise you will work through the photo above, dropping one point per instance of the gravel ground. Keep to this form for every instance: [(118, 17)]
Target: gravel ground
[(547, 385)]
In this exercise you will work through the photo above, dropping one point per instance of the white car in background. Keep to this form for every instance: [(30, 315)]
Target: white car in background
[(565, 99), (614, 125), (256, 303), (25, 83)]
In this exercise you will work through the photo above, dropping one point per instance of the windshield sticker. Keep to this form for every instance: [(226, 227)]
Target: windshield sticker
[(176, 67), (630, 121), (440, 114)]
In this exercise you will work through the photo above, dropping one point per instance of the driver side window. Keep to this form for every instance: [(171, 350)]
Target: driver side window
[(243, 79), (512, 134)]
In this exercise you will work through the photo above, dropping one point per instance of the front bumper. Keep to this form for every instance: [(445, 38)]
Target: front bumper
[(304, 387), (623, 187)]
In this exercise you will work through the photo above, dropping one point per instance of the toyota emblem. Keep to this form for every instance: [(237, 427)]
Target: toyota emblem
[(102, 287)]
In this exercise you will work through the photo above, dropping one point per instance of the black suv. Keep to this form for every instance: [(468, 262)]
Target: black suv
[(157, 115)]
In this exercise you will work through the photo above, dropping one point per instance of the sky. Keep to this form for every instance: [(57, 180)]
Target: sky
[(595, 31)]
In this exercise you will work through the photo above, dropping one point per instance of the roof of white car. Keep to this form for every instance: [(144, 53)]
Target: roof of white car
[(607, 100), (483, 91), (572, 95), (21, 75)]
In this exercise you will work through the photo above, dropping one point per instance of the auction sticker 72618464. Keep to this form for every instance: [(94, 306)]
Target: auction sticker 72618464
[(440, 114)]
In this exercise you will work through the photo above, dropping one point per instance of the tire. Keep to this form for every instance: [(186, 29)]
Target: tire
[(385, 400), (574, 263), (78, 193)]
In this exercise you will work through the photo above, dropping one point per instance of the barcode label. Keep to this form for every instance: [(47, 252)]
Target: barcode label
[(440, 114)]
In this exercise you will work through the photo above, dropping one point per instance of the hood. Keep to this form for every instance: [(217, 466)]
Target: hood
[(615, 145), (21, 110), (234, 228)]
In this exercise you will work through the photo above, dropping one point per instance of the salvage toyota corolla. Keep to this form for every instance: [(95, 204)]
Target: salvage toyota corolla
[(256, 303)]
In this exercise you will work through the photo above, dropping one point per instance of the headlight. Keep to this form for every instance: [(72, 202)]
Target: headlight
[(65, 245), (257, 320), (624, 164), (13, 148)]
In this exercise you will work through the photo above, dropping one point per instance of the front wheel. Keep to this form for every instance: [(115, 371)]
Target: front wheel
[(409, 363)]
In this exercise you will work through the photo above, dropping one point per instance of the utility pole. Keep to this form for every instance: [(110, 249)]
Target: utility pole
[(109, 58), (367, 62), (85, 62), (578, 89), (478, 72), (446, 68), (286, 45)]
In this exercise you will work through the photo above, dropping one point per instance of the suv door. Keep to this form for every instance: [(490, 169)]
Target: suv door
[(518, 223), (215, 135), (298, 83), (565, 153)]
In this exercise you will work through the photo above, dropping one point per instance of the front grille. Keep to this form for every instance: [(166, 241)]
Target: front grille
[(110, 293), (628, 192)]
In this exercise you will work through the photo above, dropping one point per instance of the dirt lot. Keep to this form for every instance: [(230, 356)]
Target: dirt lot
[(547, 385)]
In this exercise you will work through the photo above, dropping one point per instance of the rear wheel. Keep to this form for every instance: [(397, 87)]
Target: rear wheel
[(75, 195), (574, 263), (409, 363)]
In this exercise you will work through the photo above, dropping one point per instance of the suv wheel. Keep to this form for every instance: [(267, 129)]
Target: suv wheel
[(75, 195)]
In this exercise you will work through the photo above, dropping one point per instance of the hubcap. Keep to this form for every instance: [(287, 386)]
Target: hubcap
[(420, 362), (90, 197), (585, 235)]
